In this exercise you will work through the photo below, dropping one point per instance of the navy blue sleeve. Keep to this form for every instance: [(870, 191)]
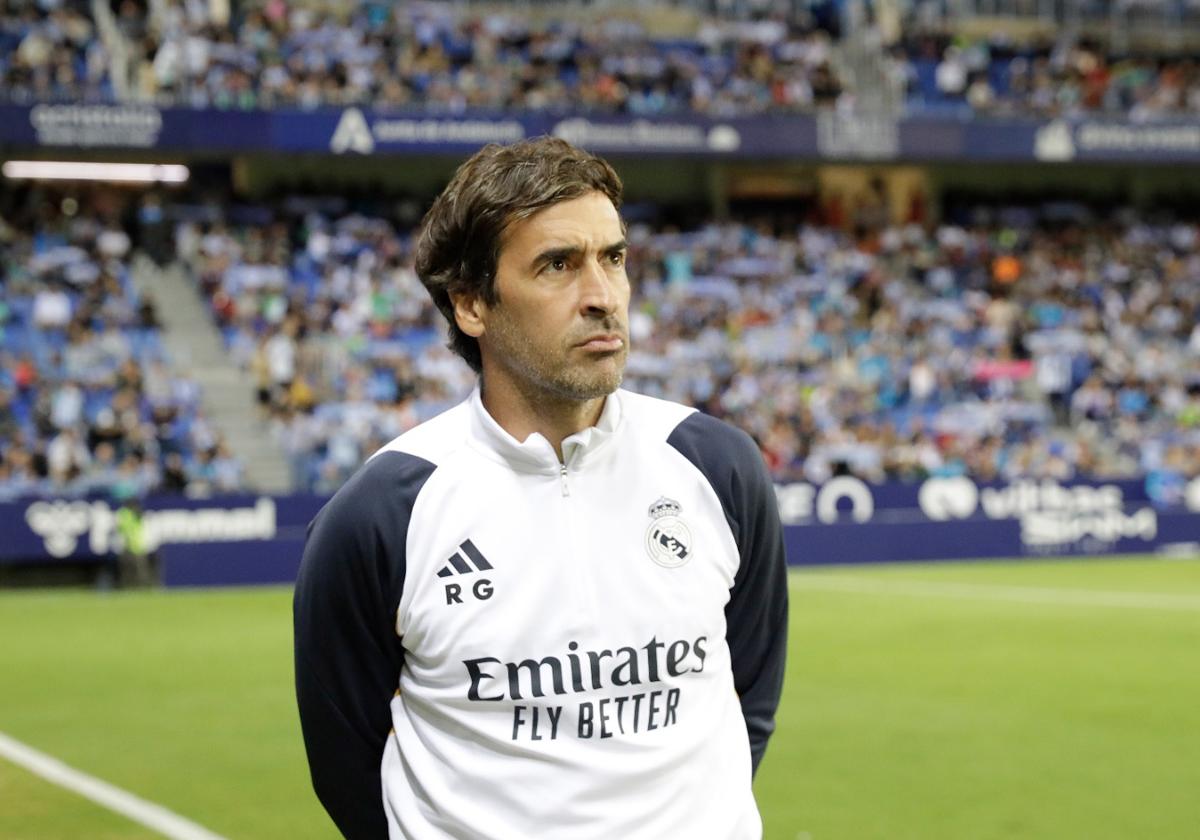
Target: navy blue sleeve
[(756, 615), (347, 653)]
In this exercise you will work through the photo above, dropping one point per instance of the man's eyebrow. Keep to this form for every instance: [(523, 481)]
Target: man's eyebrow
[(562, 253), (568, 251)]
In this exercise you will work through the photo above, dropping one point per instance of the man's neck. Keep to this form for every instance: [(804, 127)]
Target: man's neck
[(521, 412)]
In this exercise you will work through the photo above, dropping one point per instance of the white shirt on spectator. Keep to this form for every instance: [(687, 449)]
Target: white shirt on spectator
[(66, 406), (951, 74), (113, 243), (203, 437), (281, 358), (64, 452), (51, 309)]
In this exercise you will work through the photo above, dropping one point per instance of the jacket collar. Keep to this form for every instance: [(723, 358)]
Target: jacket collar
[(535, 454)]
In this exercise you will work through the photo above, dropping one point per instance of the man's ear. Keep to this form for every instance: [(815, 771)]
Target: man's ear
[(469, 311)]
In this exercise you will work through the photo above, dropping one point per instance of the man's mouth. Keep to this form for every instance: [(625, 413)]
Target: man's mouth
[(604, 342)]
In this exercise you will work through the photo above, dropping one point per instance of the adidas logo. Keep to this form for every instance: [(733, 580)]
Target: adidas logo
[(459, 565), (481, 589)]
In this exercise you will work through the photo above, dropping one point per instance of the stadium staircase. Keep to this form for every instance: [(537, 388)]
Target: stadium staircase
[(117, 47), (860, 62), (197, 349)]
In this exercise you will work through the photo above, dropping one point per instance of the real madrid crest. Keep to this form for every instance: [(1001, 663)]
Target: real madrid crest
[(668, 540)]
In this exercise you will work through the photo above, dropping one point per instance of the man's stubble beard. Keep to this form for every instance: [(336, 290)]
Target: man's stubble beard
[(554, 374)]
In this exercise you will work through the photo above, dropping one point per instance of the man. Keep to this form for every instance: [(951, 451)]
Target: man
[(136, 564), (559, 609)]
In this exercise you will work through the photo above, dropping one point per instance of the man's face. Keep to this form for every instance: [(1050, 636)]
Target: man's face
[(561, 324)]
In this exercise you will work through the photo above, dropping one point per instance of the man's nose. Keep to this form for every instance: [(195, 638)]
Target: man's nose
[(598, 293)]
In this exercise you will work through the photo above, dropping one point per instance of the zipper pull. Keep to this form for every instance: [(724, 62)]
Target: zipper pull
[(562, 474)]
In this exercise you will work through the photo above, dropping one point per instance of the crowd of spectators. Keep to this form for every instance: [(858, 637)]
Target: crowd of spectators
[(88, 403), (1003, 346), (442, 58), (50, 52), (324, 310), (1068, 78), (436, 57), (1000, 345)]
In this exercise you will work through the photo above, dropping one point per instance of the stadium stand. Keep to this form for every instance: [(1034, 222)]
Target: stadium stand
[(342, 341), (449, 59), (1000, 335), (1018, 345), (439, 57), (51, 52), (997, 77), (88, 402)]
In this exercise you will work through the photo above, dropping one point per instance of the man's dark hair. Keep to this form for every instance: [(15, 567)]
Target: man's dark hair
[(459, 244)]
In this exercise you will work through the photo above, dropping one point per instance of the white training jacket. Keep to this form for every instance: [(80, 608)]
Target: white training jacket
[(494, 644)]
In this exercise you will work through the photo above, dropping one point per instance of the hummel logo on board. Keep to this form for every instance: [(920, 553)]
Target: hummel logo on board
[(474, 561)]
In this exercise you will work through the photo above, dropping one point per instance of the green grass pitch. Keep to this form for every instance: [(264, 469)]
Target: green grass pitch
[(998, 700)]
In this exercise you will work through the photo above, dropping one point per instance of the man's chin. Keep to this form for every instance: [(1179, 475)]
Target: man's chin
[(592, 384), (594, 391)]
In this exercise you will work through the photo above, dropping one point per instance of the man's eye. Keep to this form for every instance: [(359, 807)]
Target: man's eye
[(617, 258)]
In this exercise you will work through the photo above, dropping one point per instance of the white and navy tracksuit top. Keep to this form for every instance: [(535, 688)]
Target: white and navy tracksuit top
[(494, 644)]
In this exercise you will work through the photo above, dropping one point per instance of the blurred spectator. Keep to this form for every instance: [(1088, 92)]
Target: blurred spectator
[(66, 456), (138, 565), (51, 308)]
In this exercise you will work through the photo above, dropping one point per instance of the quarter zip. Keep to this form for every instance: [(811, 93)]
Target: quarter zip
[(562, 474)]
